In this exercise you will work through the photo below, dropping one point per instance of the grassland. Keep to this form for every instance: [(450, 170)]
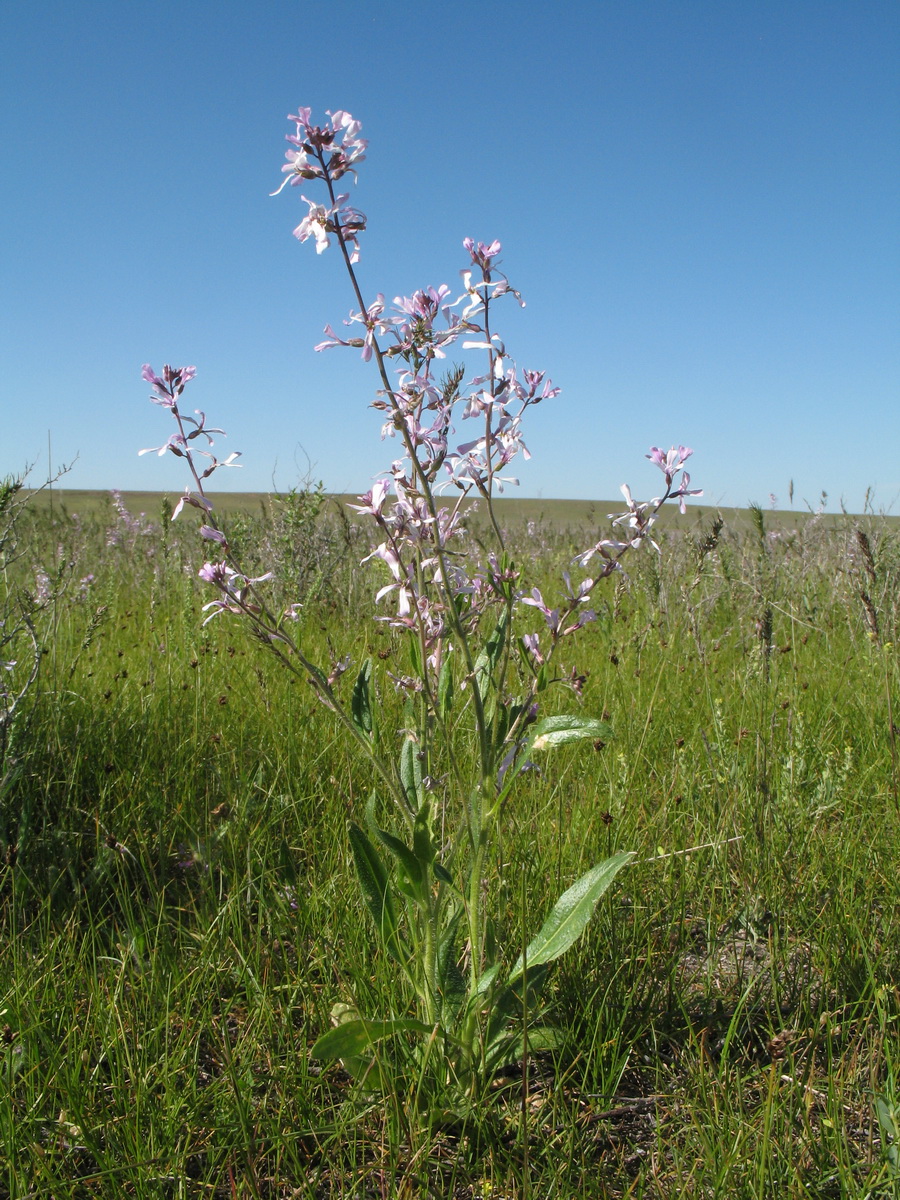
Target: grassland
[(178, 913), (514, 512)]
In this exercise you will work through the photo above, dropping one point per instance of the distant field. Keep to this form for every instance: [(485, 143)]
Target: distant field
[(558, 514)]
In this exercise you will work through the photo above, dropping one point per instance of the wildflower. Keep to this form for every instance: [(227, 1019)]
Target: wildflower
[(532, 643), (194, 499), (236, 589), (551, 615), (671, 462), (373, 500), (321, 220), (684, 490), (316, 141), (372, 322), (169, 386)]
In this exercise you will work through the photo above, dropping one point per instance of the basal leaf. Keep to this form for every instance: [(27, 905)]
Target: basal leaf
[(375, 887), (570, 914), (352, 1038)]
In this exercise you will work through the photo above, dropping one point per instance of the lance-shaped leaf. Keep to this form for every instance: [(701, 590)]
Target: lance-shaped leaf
[(550, 732), (557, 731), (451, 983), (352, 1038), (403, 855), (570, 914), (361, 701), (375, 887), (411, 771)]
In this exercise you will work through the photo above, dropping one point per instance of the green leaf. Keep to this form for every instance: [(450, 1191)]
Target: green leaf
[(514, 999), (552, 731), (571, 914), (451, 983), (361, 701), (411, 771), (404, 856), (511, 1045), (422, 843), (889, 1119), (375, 887), (556, 731), (486, 980), (352, 1038), (441, 873), (490, 655)]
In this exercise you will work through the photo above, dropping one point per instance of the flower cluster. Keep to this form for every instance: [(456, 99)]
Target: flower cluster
[(167, 388), (236, 589), (435, 590), (322, 152), (326, 152)]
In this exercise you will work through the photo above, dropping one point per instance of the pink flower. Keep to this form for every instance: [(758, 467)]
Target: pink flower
[(482, 254), (168, 387), (320, 221), (671, 462), (684, 490), (373, 500), (328, 151), (194, 499), (373, 325), (235, 588)]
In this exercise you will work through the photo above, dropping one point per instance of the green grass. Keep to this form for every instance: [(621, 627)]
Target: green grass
[(512, 511), (178, 913)]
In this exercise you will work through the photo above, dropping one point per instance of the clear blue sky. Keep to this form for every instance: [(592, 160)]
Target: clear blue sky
[(699, 200)]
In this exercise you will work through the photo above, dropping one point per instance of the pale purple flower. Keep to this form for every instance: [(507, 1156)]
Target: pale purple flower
[(319, 152), (532, 643), (194, 500), (551, 615), (176, 443), (684, 490), (169, 386), (373, 500), (482, 255), (235, 588), (314, 224), (669, 462), (583, 619), (372, 322), (580, 594), (322, 220), (216, 463), (603, 548)]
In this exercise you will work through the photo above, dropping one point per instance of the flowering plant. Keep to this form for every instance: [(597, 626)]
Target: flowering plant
[(476, 671)]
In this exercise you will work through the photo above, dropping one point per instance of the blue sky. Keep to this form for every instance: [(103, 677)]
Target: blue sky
[(699, 201)]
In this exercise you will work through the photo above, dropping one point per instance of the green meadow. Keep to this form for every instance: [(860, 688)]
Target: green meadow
[(179, 912)]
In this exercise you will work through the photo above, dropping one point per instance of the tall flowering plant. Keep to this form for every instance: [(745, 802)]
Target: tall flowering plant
[(480, 643)]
